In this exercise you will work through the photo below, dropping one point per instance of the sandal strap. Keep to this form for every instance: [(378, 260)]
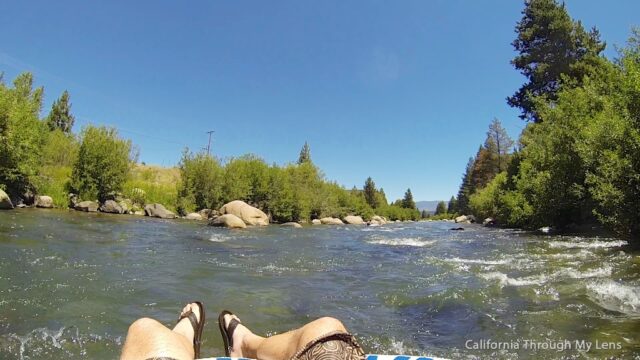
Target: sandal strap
[(233, 324), (192, 319)]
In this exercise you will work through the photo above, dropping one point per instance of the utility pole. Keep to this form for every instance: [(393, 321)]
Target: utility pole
[(209, 144)]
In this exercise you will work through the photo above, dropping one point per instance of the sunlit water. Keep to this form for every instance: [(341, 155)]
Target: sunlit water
[(71, 283)]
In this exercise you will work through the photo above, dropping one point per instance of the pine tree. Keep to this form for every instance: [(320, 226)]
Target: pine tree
[(441, 208), (305, 154), (370, 193), (550, 44), (466, 188), (424, 214), (407, 201), (499, 144), (382, 198), (60, 116), (453, 205)]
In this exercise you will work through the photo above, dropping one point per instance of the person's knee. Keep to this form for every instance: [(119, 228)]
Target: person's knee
[(328, 324), (142, 325)]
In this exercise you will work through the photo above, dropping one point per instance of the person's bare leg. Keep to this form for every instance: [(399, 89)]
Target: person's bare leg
[(281, 346), (147, 338)]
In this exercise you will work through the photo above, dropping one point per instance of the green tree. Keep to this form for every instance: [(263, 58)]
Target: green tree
[(452, 207), (103, 164), (21, 135), (407, 201), (441, 208), (200, 185), (370, 193), (60, 117), (305, 154), (550, 46), (500, 144), (466, 188), (424, 214)]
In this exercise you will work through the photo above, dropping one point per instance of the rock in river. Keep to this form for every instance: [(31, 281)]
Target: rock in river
[(194, 216), (159, 211), (88, 206), (331, 221), (353, 220), (43, 201), (5, 202), (292, 224), (228, 220), (111, 207), (246, 212)]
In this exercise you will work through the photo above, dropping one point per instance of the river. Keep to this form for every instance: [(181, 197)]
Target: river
[(71, 283)]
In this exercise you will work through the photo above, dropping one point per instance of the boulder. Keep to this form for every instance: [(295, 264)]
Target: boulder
[(353, 220), (228, 220), (316, 222), (292, 224), (204, 213), (457, 229), (378, 220), (489, 222), (43, 201), (331, 221), (159, 211), (138, 213), (246, 212), (194, 216), (465, 219), (111, 207), (5, 202), (73, 200), (88, 206)]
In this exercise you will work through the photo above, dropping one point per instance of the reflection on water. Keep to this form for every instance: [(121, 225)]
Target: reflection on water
[(71, 283)]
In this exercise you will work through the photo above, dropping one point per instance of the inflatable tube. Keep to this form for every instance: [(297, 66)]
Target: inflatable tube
[(369, 357)]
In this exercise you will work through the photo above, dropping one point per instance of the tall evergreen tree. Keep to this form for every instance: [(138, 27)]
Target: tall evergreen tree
[(485, 167), (466, 187), (407, 201), (453, 205), (382, 198), (441, 208), (305, 154), (60, 116), (550, 44), (370, 193), (500, 144)]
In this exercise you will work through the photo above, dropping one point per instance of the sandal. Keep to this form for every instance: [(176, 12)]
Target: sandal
[(197, 327), (227, 332)]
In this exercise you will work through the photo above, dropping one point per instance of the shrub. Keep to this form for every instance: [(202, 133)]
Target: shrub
[(103, 164)]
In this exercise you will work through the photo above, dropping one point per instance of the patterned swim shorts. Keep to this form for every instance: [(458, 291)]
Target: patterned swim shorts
[(335, 345)]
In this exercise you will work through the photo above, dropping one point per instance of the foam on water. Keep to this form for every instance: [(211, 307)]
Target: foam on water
[(614, 296), (217, 238), (503, 279), (582, 254), (575, 274), (477, 261), (597, 244), (403, 242)]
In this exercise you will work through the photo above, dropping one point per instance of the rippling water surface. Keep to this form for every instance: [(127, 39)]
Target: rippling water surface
[(71, 283)]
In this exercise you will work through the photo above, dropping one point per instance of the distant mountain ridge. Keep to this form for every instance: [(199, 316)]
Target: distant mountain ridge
[(429, 205)]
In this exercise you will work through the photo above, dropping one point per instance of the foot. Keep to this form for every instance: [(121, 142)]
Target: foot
[(183, 327), (239, 335)]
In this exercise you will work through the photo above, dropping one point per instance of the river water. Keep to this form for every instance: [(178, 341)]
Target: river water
[(71, 283)]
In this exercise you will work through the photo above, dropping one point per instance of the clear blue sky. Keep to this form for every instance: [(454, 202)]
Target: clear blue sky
[(401, 91)]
